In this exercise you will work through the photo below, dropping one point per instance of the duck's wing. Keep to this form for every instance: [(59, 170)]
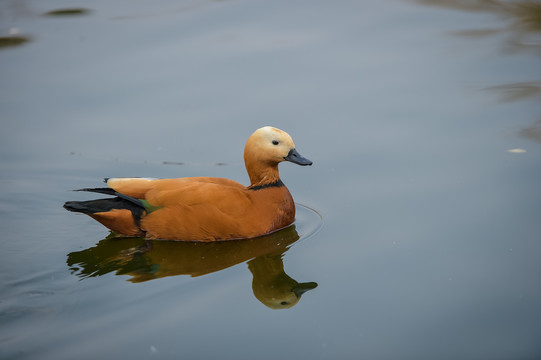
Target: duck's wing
[(200, 211), (226, 195), (191, 208)]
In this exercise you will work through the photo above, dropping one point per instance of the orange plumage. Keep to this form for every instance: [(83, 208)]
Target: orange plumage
[(204, 208)]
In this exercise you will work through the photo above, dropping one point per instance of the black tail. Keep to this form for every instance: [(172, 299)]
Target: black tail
[(120, 201)]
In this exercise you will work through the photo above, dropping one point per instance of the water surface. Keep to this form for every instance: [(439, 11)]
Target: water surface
[(423, 122)]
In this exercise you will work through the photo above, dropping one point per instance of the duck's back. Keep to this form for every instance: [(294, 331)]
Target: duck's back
[(139, 187)]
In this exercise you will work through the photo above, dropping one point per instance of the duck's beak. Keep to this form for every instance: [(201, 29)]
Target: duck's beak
[(296, 158), (301, 288)]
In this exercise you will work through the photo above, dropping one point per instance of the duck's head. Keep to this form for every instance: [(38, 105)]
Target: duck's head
[(271, 146)]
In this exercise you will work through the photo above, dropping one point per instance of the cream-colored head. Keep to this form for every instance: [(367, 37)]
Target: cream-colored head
[(271, 145), (265, 149)]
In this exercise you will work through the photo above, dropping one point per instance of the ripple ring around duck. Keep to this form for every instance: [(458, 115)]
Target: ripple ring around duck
[(308, 221)]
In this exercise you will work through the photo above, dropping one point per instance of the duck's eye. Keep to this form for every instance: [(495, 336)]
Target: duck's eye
[(275, 142)]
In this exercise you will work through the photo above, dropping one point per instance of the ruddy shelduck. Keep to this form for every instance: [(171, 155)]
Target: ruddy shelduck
[(203, 208)]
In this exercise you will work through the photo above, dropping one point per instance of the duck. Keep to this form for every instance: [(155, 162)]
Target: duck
[(203, 208)]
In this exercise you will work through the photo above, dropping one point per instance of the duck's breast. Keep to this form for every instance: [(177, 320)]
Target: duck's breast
[(274, 208)]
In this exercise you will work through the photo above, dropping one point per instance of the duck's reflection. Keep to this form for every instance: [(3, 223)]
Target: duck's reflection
[(146, 260)]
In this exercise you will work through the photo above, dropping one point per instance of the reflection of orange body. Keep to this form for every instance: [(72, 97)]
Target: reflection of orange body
[(202, 208), (152, 259)]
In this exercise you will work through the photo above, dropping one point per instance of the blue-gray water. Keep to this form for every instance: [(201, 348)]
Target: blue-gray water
[(423, 120)]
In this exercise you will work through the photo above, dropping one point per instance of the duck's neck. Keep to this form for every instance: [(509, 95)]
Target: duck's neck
[(263, 175)]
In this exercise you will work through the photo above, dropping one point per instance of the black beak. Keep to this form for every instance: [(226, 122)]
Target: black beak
[(301, 288), (296, 158)]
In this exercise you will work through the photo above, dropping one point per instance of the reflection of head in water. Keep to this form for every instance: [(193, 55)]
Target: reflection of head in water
[(272, 286)]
